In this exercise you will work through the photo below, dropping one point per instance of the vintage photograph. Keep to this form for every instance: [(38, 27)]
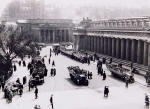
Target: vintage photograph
[(74, 54)]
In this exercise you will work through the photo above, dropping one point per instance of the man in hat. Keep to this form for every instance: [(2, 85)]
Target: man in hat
[(51, 101)]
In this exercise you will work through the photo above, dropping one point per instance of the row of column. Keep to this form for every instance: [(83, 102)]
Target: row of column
[(126, 49), (54, 36)]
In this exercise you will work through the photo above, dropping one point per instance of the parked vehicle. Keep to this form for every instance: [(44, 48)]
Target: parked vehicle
[(36, 81), (78, 76), (121, 72)]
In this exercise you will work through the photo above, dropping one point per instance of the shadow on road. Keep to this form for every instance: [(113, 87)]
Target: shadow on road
[(72, 83), (116, 78)]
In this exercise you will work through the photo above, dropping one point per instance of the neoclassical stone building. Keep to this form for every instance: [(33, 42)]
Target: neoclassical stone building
[(48, 30), (126, 39)]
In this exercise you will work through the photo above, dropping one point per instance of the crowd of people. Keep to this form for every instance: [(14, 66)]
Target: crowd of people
[(8, 93), (16, 88)]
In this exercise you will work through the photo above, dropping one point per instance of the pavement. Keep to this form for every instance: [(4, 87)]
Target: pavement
[(68, 95)]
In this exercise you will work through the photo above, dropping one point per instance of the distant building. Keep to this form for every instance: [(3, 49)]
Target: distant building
[(48, 30), (125, 39)]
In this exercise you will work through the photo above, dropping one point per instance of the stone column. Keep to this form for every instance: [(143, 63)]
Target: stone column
[(113, 47), (44, 36), (140, 50), (109, 46), (102, 45), (64, 35), (148, 54), (128, 49), (123, 48), (53, 36), (84, 42), (134, 51), (40, 36), (105, 45), (88, 43), (95, 43), (145, 58), (79, 43), (67, 35), (118, 48), (48, 36), (91, 43), (99, 44), (61, 36)]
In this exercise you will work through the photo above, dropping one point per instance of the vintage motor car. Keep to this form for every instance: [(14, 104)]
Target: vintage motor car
[(121, 72), (78, 76), (36, 81)]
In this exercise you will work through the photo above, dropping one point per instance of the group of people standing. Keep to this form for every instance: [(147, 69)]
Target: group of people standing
[(100, 70), (10, 90)]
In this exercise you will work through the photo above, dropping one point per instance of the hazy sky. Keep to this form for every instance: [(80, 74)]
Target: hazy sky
[(114, 3), (72, 4)]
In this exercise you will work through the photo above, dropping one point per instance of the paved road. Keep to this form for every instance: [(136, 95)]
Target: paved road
[(67, 95)]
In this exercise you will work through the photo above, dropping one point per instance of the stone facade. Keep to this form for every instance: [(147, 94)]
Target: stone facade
[(127, 42), (48, 30)]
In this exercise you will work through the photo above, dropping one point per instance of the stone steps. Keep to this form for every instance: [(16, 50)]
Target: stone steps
[(143, 69)]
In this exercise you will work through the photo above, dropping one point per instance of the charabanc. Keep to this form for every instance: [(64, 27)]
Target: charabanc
[(78, 76), (121, 72), (36, 81)]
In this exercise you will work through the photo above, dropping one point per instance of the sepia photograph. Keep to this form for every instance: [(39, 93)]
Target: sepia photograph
[(74, 54)]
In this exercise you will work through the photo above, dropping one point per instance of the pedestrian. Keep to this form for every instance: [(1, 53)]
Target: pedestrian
[(50, 50), (6, 92), (49, 60), (29, 66), (28, 56), (88, 75), (54, 71), (37, 107), (88, 60), (31, 70), (146, 100), (101, 72), (18, 80), (15, 67), (20, 92), (9, 97), (104, 75), (51, 101), (53, 63), (19, 63), (24, 63), (127, 81), (106, 91), (43, 59), (24, 80), (110, 61), (29, 84), (36, 92), (91, 75), (45, 72), (3, 85)]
